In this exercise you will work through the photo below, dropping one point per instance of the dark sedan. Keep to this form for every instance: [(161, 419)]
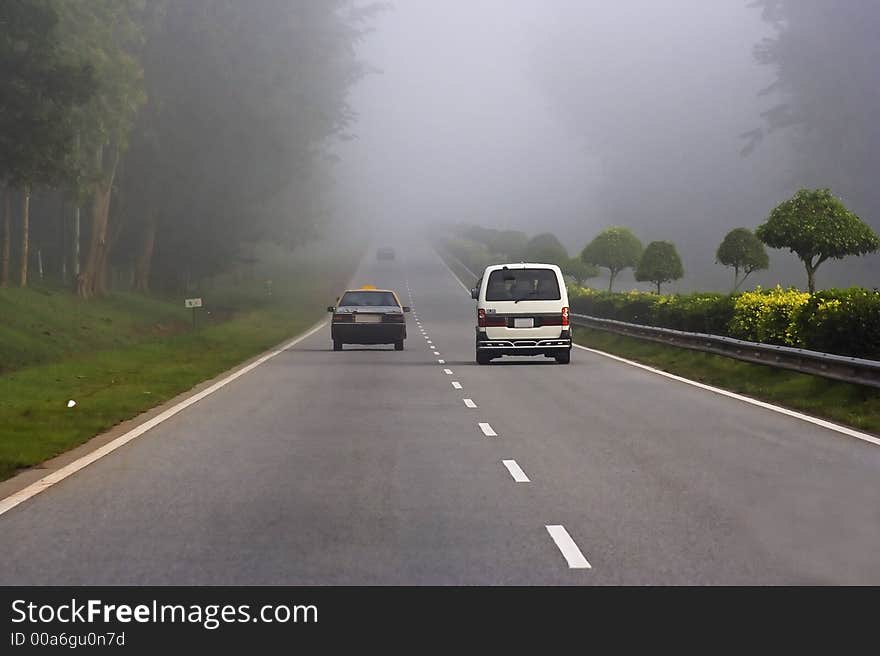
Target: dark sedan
[(368, 316)]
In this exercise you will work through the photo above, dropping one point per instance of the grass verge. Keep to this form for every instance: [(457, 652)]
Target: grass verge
[(120, 356), (854, 405)]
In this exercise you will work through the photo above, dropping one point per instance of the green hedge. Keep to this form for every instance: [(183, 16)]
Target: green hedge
[(842, 321), (767, 316), (700, 313)]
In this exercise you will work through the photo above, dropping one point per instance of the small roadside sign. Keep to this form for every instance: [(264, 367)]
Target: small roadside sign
[(193, 303)]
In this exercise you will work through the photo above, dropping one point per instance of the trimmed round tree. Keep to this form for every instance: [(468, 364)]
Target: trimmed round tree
[(816, 225), (659, 264), (615, 249), (579, 270), (546, 248), (742, 251)]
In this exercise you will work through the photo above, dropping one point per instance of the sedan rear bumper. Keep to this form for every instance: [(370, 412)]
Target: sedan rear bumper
[(368, 333)]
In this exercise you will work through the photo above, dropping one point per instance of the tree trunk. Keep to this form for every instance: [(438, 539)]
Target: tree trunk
[(7, 237), (736, 281), (811, 276), (87, 284), (658, 289), (90, 281), (25, 230), (611, 279), (144, 260), (76, 242)]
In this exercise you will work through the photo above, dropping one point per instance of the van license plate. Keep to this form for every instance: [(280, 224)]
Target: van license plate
[(520, 322)]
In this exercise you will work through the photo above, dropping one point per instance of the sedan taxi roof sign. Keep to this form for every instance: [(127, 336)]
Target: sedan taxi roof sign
[(368, 287)]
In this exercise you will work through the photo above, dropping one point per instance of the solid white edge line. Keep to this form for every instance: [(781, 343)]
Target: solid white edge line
[(516, 471), (745, 399), (59, 475), (487, 429), (567, 546), (469, 403), (456, 384), (448, 372)]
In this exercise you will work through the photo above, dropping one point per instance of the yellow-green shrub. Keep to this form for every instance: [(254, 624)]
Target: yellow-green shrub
[(768, 316)]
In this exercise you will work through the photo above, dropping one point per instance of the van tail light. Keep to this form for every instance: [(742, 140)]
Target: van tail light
[(496, 322), (481, 318), (565, 316)]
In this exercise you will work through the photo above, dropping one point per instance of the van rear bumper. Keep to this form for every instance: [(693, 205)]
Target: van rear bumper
[(524, 346)]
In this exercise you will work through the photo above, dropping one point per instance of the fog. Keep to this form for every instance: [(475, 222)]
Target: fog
[(573, 115)]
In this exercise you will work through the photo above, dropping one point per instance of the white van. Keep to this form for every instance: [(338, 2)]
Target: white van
[(522, 309)]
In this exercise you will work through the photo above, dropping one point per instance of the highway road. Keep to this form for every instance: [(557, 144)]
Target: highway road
[(372, 466)]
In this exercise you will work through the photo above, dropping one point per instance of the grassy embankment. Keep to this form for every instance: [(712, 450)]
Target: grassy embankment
[(855, 405), (119, 356)]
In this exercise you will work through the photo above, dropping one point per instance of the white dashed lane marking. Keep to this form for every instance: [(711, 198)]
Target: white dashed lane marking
[(567, 546), (487, 430), (469, 403), (441, 361), (448, 372), (456, 384), (516, 471)]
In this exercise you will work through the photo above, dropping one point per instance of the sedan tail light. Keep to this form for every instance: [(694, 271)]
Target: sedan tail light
[(343, 318), (392, 318)]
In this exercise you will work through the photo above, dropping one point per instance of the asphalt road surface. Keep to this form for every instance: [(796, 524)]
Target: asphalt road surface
[(372, 466)]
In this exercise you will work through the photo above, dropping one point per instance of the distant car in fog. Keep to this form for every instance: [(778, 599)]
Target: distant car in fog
[(368, 316), (385, 253)]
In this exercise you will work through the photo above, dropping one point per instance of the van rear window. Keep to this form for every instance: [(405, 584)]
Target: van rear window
[(523, 285)]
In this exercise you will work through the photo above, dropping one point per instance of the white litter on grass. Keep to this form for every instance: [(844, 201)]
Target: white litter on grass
[(71, 403)]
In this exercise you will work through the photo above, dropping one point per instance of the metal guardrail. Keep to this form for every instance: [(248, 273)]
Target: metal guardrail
[(828, 365)]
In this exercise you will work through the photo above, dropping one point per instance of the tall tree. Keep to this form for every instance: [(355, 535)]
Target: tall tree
[(106, 34), (816, 226), (825, 98), (40, 89), (7, 238)]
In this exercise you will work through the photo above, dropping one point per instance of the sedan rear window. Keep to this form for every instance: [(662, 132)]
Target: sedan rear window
[(369, 299), (523, 285)]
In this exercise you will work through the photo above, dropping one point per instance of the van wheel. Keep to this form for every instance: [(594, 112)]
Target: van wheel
[(483, 358), (564, 358), (337, 345), (398, 346)]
